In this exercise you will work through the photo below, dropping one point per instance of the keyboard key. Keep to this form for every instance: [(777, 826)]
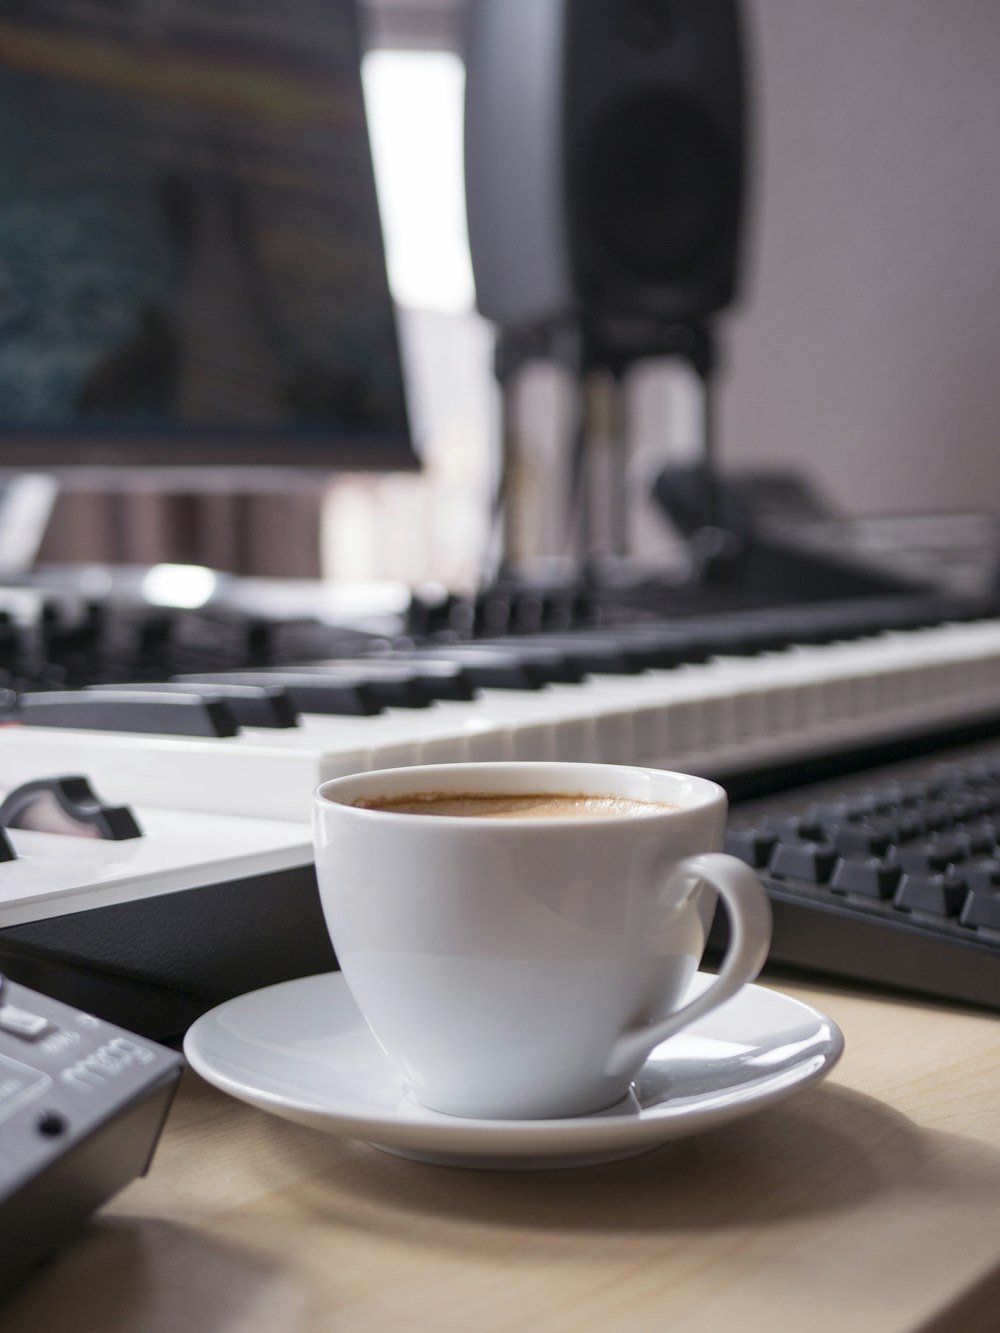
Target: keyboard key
[(790, 827), (938, 895), (981, 839), (982, 908), (982, 804), (751, 846), (870, 876), (909, 793), (936, 816), (868, 839), (933, 854), (976, 841), (866, 806), (982, 875), (810, 861), (830, 814)]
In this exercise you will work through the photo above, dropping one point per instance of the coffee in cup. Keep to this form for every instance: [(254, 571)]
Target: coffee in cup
[(517, 951), (512, 805)]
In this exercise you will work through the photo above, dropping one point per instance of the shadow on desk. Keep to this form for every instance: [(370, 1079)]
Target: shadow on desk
[(829, 1151), (127, 1275)]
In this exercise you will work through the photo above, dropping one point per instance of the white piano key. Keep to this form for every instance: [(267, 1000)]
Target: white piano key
[(545, 724), (443, 733)]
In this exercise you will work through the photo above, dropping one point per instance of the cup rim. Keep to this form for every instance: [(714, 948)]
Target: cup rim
[(419, 776)]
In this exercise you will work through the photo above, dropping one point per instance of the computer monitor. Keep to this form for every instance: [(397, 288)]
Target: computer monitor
[(191, 260)]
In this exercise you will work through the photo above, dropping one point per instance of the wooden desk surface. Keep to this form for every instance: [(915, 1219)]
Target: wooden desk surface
[(869, 1202)]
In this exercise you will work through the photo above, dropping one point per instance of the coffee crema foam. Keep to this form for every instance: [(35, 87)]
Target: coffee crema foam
[(514, 805)]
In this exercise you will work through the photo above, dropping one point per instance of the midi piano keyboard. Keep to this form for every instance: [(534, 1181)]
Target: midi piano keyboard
[(741, 698), (721, 717)]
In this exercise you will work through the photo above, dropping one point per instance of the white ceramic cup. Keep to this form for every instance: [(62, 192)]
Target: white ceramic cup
[(525, 968)]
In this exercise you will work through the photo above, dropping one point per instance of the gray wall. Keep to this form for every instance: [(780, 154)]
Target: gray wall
[(868, 343)]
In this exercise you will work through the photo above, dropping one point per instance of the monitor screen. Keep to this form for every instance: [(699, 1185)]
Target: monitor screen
[(191, 261)]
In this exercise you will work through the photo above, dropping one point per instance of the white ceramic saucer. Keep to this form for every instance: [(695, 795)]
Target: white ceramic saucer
[(301, 1050)]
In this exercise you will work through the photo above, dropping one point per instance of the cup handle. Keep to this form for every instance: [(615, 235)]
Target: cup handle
[(749, 939)]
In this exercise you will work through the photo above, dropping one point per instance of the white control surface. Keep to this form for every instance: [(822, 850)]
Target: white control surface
[(54, 874)]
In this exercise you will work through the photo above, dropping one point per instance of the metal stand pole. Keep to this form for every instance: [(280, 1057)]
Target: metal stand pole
[(26, 504)]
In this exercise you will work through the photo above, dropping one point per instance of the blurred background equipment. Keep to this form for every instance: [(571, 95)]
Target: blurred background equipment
[(193, 267), (604, 153), (605, 171)]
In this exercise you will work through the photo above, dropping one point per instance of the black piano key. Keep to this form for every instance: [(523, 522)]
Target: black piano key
[(420, 680), (389, 684), (445, 680), (587, 654), (664, 648), (655, 652), (264, 706), (429, 611), (436, 678), (744, 634), (305, 640), (507, 665), (492, 613), (127, 710), (350, 697), (648, 648)]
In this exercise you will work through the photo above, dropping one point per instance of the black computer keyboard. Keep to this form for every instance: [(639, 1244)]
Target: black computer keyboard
[(890, 877)]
